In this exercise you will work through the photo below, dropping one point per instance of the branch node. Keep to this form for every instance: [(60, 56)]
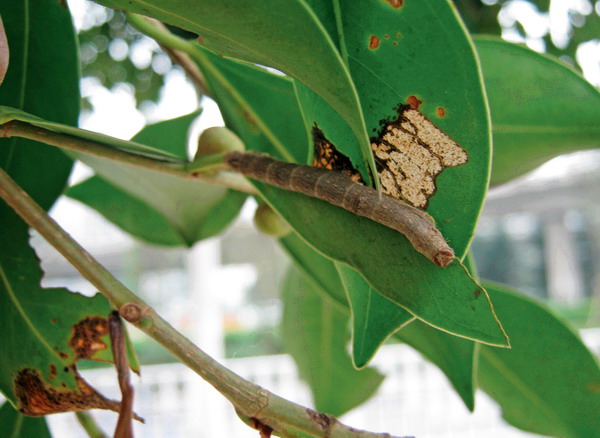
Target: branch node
[(132, 312)]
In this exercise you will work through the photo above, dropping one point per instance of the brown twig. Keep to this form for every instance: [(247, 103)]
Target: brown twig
[(338, 189), (124, 428), (283, 416)]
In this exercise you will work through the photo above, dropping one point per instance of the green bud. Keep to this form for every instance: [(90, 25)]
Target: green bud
[(269, 222), (217, 140)]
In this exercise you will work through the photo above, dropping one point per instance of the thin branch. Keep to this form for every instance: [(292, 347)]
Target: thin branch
[(69, 142), (182, 59), (124, 428), (283, 416), (89, 425)]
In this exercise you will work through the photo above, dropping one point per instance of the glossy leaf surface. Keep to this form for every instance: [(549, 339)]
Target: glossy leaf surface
[(541, 108), (444, 298), (283, 34), (548, 382), (453, 355)]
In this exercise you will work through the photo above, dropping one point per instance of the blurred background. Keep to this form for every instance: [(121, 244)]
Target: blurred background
[(540, 234)]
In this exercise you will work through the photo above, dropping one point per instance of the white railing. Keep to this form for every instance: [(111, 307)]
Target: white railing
[(415, 399)]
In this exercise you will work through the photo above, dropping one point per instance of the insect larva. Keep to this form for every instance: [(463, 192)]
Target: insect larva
[(338, 189)]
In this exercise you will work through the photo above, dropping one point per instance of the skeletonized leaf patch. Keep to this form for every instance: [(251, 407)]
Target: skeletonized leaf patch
[(410, 153)]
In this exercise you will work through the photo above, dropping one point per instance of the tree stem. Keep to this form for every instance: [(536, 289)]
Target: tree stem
[(69, 142), (252, 401)]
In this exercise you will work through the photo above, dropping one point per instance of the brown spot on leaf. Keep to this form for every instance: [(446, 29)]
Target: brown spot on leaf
[(53, 320), (398, 35), (37, 398), (477, 292), (396, 4), (52, 374), (86, 338), (386, 36), (441, 112), (373, 42), (395, 43), (63, 355), (414, 102)]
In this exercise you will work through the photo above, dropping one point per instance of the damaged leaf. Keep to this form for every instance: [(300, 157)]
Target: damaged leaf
[(44, 332)]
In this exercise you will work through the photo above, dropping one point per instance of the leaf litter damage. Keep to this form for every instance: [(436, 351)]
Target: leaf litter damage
[(38, 397)]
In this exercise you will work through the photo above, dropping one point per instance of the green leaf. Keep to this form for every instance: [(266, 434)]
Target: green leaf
[(374, 318), (540, 107), (15, 425), (44, 332), (444, 298), (284, 34), (193, 210), (453, 355), (548, 382), (448, 298), (126, 211), (314, 332), (420, 50), (43, 78), (8, 114), (252, 102)]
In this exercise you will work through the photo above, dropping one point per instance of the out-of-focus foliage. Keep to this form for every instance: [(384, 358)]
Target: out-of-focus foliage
[(113, 52), (559, 27)]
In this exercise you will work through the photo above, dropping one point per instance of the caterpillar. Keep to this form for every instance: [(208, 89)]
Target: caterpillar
[(339, 189)]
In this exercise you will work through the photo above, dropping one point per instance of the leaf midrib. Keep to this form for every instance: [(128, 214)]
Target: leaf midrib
[(522, 387), (24, 316)]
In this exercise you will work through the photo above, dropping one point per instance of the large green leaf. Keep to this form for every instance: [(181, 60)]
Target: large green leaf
[(540, 107), (126, 211), (548, 382), (42, 78), (193, 210), (453, 355), (315, 333), (15, 425), (284, 34), (44, 332), (374, 318), (372, 321), (445, 298), (421, 50)]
